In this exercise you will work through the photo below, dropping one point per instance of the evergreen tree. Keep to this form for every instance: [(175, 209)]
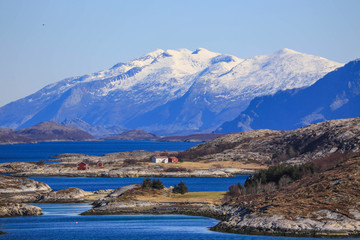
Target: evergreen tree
[(183, 188), (175, 189), (146, 183), (157, 184)]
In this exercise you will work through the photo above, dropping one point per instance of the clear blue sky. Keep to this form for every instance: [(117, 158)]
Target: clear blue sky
[(85, 36)]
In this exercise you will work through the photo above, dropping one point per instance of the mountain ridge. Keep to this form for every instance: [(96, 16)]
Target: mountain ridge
[(336, 95), (211, 87)]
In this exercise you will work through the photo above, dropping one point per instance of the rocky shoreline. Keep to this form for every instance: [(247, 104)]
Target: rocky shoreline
[(126, 164), (233, 219), (133, 200), (232, 222), (19, 209), (277, 225), (218, 173)]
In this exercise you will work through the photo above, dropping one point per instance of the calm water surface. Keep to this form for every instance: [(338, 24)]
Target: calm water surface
[(61, 221), (42, 151), (93, 184)]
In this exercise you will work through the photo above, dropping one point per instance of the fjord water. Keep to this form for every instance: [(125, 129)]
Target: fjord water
[(44, 150), (61, 221), (93, 184)]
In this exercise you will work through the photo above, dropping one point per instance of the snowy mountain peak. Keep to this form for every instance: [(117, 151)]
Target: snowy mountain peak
[(287, 51), (167, 90), (155, 53)]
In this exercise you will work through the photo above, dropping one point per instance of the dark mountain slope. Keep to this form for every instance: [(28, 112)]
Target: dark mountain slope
[(335, 96)]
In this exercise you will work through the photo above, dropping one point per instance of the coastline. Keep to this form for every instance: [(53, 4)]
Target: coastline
[(222, 213)]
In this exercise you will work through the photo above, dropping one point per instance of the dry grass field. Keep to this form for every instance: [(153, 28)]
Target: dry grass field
[(193, 197), (208, 165)]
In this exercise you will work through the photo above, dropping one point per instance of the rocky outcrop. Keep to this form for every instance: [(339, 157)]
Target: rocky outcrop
[(336, 225), (324, 204), (296, 146), (144, 207), (14, 191), (72, 195), (11, 185), (18, 209)]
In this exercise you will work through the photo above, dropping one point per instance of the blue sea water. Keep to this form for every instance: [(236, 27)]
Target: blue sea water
[(61, 221), (93, 184), (44, 150)]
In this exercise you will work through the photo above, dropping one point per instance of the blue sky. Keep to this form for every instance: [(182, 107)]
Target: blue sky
[(44, 41)]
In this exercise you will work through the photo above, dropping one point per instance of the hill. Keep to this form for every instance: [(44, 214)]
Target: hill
[(324, 203), (268, 146), (44, 131)]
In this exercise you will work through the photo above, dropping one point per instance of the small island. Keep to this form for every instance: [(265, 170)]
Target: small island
[(305, 182)]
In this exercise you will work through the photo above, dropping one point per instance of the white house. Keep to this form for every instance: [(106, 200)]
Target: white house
[(160, 159)]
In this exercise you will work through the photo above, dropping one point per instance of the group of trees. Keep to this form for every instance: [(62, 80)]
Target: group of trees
[(280, 175), (157, 184), (182, 188)]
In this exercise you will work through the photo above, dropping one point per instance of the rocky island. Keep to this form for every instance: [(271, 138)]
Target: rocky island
[(321, 203), (306, 182), (225, 156), (320, 200), (14, 191)]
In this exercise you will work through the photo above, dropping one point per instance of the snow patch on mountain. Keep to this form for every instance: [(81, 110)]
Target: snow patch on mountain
[(182, 89)]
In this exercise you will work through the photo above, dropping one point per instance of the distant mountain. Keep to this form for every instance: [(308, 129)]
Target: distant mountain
[(11, 138), (167, 92), (7, 130), (135, 134), (335, 96), (52, 131), (96, 131)]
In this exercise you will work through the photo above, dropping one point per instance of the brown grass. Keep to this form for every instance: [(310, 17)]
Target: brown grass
[(194, 197), (207, 165)]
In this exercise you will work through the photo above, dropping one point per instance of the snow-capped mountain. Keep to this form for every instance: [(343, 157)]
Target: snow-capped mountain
[(335, 96), (172, 91)]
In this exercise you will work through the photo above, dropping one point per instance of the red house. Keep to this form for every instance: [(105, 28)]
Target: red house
[(82, 166), (173, 159), (100, 164)]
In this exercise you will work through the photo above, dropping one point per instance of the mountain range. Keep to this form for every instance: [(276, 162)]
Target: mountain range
[(335, 96), (166, 92)]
